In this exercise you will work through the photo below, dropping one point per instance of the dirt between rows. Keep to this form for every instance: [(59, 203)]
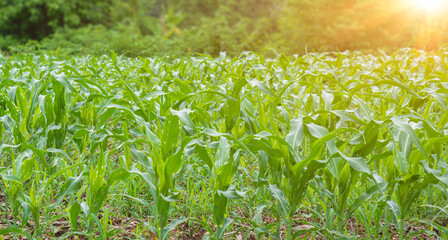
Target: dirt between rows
[(129, 228)]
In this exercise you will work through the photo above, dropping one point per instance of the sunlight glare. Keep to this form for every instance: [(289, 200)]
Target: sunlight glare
[(430, 5)]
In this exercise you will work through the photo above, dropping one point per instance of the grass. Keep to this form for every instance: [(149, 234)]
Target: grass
[(320, 146)]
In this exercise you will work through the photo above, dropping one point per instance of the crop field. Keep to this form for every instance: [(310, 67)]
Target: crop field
[(320, 146)]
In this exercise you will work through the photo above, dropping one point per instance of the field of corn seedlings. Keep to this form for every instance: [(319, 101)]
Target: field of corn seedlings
[(321, 146)]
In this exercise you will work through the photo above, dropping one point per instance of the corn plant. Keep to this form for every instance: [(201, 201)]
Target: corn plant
[(222, 167), (160, 167), (329, 135)]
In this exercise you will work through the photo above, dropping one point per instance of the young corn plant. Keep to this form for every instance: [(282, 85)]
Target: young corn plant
[(412, 167), (345, 173), (97, 194), (160, 167), (290, 174), (222, 167), (35, 198), (331, 133), (13, 183)]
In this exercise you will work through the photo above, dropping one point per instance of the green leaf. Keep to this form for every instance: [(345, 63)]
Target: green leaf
[(226, 225), (213, 133), (360, 200), (26, 213), (280, 196), (141, 157), (64, 81), (295, 136), (174, 163), (262, 87), (222, 155), (404, 126), (393, 206), (75, 210), (172, 225), (400, 162), (232, 193), (70, 187), (204, 155), (184, 116), (119, 174), (357, 163), (436, 173), (9, 230), (225, 175), (316, 130)]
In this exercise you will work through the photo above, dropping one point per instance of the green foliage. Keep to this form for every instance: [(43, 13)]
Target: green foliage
[(180, 27), (221, 143), (38, 18), (98, 40)]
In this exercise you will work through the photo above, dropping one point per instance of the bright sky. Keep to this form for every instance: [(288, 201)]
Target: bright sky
[(430, 5)]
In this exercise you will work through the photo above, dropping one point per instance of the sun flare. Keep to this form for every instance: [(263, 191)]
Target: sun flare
[(430, 5)]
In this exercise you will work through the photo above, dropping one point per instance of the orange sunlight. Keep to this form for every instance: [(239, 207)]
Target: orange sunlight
[(430, 6)]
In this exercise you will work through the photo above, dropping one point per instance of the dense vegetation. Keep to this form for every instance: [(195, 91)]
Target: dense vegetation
[(331, 145), (182, 27)]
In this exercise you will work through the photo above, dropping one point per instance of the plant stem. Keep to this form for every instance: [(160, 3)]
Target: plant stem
[(401, 229), (218, 232), (289, 230)]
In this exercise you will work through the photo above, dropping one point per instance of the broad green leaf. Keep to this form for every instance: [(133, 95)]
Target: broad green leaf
[(70, 186), (295, 136), (316, 130), (75, 210), (184, 116), (232, 193), (280, 196)]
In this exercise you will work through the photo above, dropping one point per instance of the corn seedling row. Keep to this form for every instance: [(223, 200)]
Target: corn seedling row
[(275, 148)]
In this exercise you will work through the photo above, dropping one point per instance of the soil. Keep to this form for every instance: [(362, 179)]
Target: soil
[(127, 228)]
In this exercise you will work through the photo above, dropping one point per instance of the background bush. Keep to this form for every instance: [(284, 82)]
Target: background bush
[(180, 27)]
